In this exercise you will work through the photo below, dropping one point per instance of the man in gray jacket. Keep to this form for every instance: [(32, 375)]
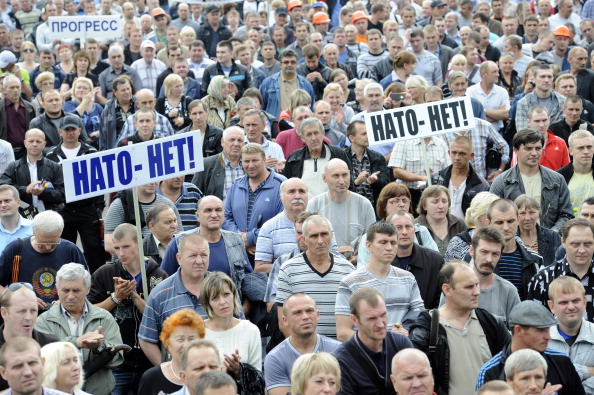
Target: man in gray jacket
[(537, 181), (96, 330)]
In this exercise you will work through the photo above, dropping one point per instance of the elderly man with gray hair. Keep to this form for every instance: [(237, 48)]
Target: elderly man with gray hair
[(526, 372), (91, 329), (37, 259), (309, 162)]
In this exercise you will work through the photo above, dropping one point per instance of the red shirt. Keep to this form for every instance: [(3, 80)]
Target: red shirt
[(289, 141), (554, 154)]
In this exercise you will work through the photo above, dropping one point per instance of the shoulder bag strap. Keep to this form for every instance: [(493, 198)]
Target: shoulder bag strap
[(364, 363)]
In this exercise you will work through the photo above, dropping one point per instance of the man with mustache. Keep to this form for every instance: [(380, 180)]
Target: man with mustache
[(498, 296), (277, 235)]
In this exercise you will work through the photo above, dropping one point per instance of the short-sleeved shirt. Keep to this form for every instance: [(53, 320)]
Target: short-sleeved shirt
[(276, 238), (279, 362), (187, 204), (399, 289), (168, 297), (298, 275), (496, 98), (350, 219), (23, 229), (429, 67)]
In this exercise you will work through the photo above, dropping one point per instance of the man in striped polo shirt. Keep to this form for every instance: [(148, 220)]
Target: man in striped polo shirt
[(399, 287), (317, 272)]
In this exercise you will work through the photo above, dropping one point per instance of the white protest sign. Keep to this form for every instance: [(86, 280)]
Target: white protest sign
[(96, 26), (138, 164), (418, 121)]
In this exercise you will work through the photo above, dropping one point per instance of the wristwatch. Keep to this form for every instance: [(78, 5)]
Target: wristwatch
[(114, 299)]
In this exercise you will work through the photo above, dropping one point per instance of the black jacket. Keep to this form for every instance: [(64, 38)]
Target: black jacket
[(51, 131), (239, 75), (57, 155), (495, 331), (185, 102), (425, 265), (531, 264), (294, 164), (475, 183), (17, 174), (548, 243), (377, 162), (211, 144), (567, 171), (205, 33), (560, 370), (318, 86), (211, 180), (562, 129)]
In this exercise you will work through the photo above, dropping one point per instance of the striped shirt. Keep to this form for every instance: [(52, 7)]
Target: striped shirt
[(231, 174), (168, 297), (276, 238), (148, 73), (298, 275), (399, 289), (510, 268), (163, 127), (187, 204)]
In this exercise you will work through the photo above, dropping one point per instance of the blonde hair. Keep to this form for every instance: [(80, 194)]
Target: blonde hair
[(80, 80), (45, 76), (416, 81), (54, 354), (478, 206), (309, 365), (332, 87), (169, 81)]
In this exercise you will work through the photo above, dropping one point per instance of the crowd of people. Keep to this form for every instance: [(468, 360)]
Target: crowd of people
[(301, 259)]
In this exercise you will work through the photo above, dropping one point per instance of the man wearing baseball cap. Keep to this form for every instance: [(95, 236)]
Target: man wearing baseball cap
[(212, 32), (81, 217), (280, 20), (438, 9), (529, 323), (560, 51)]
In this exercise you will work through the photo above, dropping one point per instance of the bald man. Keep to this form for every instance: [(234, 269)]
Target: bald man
[(411, 373), (349, 213)]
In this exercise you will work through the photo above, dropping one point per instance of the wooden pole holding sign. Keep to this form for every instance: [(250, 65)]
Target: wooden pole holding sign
[(131, 166), (426, 161), (140, 246)]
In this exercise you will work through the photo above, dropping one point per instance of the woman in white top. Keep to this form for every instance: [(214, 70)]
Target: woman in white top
[(237, 340)]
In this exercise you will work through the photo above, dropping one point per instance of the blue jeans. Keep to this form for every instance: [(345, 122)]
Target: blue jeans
[(127, 379)]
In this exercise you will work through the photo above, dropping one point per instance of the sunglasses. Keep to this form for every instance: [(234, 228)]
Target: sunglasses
[(29, 50), (16, 286)]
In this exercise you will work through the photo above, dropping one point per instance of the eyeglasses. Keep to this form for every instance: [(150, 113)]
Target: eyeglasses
[(289, 62), (50, 245), (398, 201), (29, 50), (16, 286)]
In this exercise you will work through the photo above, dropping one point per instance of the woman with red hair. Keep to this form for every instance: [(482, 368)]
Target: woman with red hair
[(179, 329)]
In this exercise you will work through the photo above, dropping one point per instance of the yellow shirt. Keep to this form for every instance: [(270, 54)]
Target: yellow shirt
[(287, 87)]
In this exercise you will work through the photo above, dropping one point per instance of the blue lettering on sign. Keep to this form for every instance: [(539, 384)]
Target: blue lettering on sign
[(125, 171), (79, 172), (108, 160), (168, 157), (155, 160), (97, 177)]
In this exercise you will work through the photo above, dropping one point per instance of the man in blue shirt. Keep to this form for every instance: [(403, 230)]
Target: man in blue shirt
[(12, 225)]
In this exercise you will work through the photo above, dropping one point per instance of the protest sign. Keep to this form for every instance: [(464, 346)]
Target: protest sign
[(139, 164), (95, 26), (211, 2), (418, 121)]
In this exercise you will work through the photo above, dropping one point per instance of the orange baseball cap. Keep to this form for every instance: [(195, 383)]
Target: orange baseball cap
[(293, 4), (158, 11), (562, 31), (357, 16), (319, 18)]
